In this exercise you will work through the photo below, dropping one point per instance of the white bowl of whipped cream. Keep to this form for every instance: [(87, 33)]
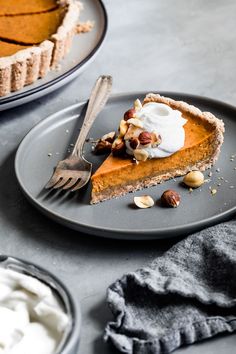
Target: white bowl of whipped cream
[(37, 312)]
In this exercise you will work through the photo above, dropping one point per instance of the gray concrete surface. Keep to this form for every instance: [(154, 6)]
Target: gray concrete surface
[(184, 45)]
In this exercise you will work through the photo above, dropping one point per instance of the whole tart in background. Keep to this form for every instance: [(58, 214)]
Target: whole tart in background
[(35, 36)]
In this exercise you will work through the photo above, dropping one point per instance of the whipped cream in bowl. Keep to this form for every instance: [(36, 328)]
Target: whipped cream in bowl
[(37, 313), (166, 122)]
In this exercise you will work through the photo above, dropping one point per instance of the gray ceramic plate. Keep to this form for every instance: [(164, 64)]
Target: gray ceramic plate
[(118, 218), (83, 52)]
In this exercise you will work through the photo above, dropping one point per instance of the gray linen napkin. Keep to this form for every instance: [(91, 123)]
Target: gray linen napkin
[(184, 296)]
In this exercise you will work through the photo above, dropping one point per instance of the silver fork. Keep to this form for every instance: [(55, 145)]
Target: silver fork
[(74, 172)]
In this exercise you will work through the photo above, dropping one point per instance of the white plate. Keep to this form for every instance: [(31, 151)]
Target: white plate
[(83, 52)]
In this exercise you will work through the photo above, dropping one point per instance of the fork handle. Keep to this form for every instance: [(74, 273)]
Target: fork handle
[(97, 101)]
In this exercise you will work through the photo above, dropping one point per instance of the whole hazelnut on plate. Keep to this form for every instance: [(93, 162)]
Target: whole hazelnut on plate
[(170, 198), (194, 179)]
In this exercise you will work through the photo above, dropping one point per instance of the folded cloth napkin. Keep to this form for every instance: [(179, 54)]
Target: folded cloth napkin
[(184, 296)]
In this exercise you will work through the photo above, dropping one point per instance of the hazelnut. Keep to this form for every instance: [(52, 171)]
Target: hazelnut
[(194, 179), (137, 105), (145, 138), (129, 114), (133, 132), (118, 147), (134, 143), (102, 147), (110, 137), (156, 139), (105, 143), (143, 202), (136, 122), (170, 198), (123, 127), (140, 154)]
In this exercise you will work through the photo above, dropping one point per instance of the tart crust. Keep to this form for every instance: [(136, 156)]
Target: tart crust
[(214, 142), (28, 65)]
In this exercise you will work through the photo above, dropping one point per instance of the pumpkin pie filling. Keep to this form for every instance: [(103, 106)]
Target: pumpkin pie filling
[(119, 175), (20, 7), (7, 49), (37, 27)]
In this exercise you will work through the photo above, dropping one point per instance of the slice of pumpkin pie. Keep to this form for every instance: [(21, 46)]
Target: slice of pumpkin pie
[(158, 140)]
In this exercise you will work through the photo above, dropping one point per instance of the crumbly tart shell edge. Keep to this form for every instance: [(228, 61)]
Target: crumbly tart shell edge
[(28, 65)]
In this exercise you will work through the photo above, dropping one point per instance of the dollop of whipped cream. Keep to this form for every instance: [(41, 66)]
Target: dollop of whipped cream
[(167, 122), (32, 320)]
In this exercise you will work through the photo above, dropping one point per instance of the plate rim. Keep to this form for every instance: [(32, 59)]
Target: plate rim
[(116, 233), (32, 91)]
